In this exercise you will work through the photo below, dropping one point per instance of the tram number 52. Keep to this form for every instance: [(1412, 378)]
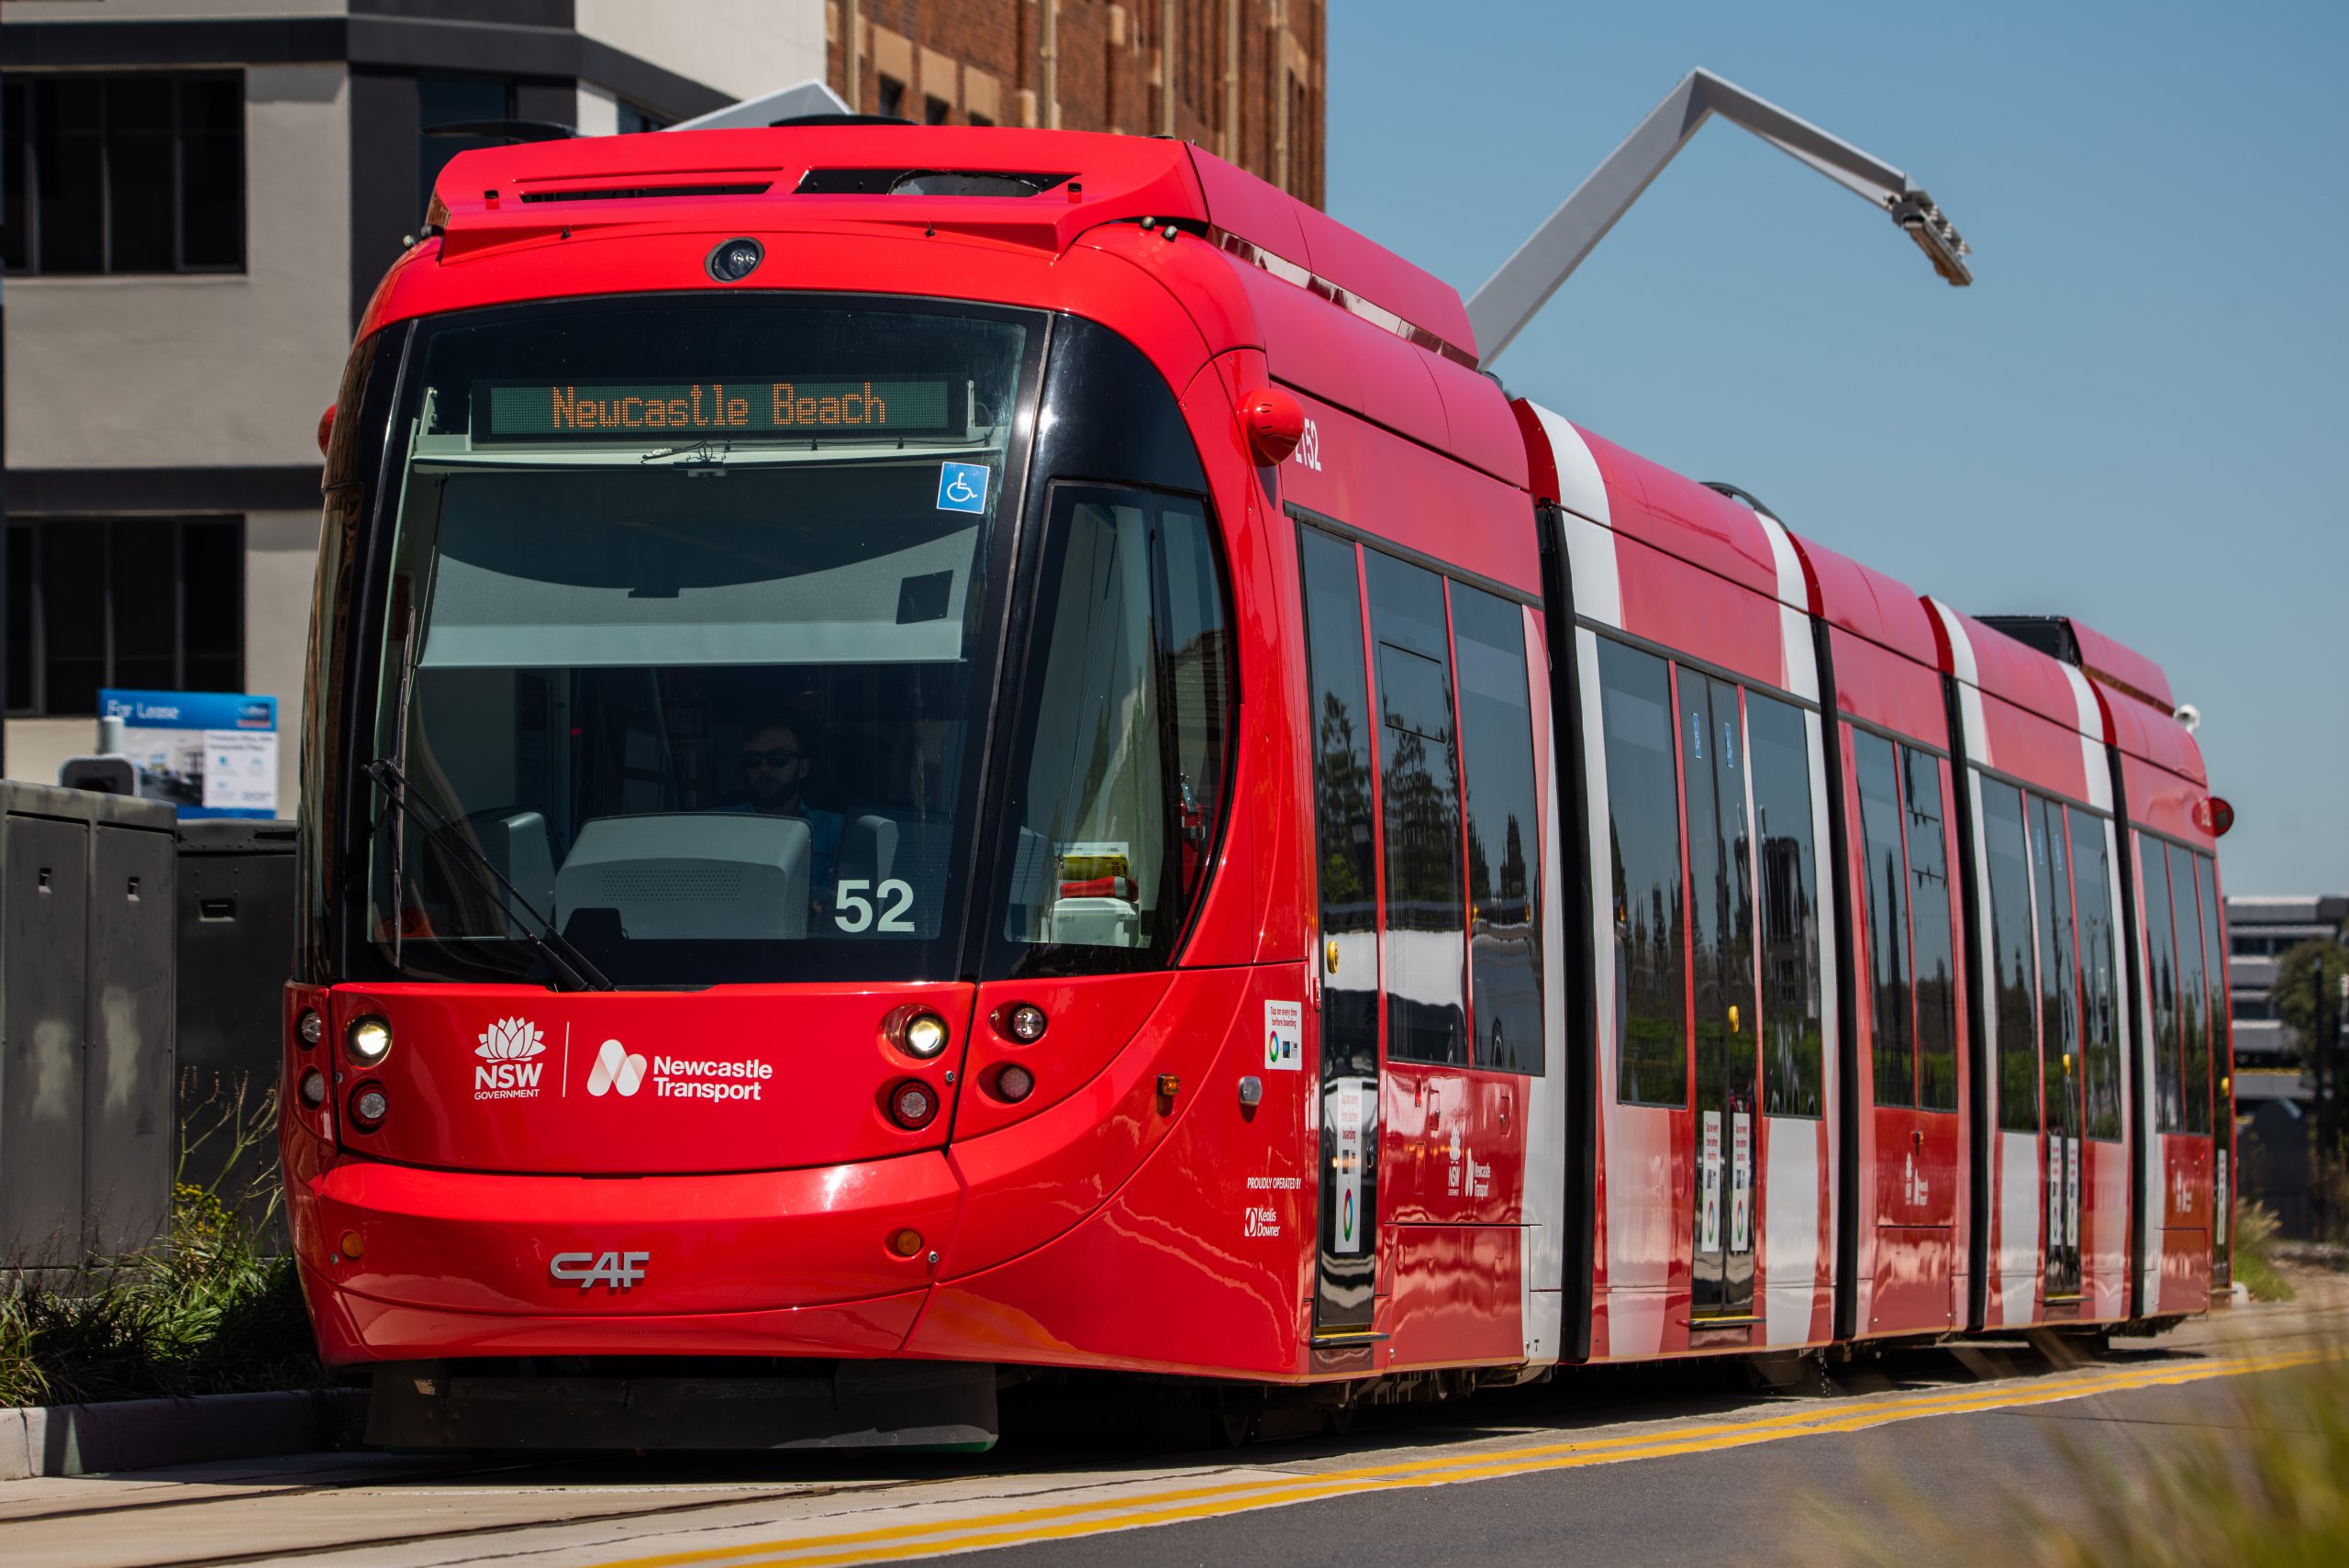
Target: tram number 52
[(1309, 448), (856, 910)]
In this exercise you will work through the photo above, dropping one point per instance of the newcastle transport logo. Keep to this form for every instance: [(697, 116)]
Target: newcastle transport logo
[(509, 1069), (616, 1069)]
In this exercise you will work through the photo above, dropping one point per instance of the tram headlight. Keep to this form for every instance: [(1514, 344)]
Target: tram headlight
[(1025, 1022), (924, 1034), (309, 1027), (369, 1106), (369, 1041), (912, 1104)]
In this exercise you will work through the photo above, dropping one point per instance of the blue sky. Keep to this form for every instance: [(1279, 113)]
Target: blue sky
[(2134, 417)]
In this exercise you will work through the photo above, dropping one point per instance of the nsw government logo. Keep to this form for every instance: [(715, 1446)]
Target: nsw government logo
[(509, 1068)]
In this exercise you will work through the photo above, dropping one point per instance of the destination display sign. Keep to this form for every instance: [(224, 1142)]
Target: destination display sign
[(608, 411)]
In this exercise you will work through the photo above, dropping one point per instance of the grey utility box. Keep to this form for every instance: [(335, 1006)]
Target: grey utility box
[(236, 953), (88, 1134)]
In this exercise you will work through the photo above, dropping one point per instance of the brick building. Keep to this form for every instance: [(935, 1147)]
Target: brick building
[(1242, 78)]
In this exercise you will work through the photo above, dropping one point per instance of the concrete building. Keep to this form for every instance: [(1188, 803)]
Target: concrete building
[(2275, 1093), (2259, 932), (201, 194)]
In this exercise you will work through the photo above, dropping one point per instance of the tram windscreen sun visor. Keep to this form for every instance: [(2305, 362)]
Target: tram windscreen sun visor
[(714, 702)]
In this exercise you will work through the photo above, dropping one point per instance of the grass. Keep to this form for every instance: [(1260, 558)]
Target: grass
[(213, 1308)]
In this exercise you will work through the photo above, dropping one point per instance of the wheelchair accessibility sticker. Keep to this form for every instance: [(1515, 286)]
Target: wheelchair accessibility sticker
[(961, 487)]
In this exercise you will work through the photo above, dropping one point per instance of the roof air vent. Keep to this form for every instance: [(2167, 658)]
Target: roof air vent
[(923, 182)]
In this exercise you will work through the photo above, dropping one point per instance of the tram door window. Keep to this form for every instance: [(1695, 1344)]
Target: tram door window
[(2099, 987), (1792, 1034), (2059, 1034), (1891, 1000), (2193, 995), (1503, 836), (2012, 971), (1345, 851), (2223, 1068), (2161, 979), (1643, 852), (1721, 866), (1427, 1015)]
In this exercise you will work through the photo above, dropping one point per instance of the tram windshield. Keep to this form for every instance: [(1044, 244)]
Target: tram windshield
[(686, 639)]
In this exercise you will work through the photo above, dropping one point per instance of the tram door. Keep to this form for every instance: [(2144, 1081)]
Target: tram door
[(2062, 1069), (1720, 882), (1340, 724)]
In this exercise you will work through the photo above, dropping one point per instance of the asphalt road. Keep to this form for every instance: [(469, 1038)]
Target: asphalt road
[(1906, 1460)]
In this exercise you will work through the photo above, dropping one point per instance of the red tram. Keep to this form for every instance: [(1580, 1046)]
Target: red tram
[(932, 753)]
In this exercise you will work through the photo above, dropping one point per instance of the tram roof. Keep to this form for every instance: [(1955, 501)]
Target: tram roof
[(785, 175)]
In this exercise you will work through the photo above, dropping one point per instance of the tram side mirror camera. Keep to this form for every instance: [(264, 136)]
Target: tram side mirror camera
[(100, 775), (735, 260)]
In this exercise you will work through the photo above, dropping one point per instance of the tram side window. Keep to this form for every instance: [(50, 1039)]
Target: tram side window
[(2193, 995), (2059, 1022), (1130, 713), (1426, 913), (1936, 966), (2222, 1054), (1504, 831), (2099, 990), (1886, 880), (1777, 749), (2161, 979), (2012, 970), (1343, 837), (1643, 850)]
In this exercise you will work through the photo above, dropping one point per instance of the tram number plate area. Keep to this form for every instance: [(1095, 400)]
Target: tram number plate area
[(785, 406), (1741, 1206), (1348, 1229), (1708, 1228)]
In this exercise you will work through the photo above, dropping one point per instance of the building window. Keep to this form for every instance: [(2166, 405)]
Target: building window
[(443, 101), (633, 119), (135, 172), (980, 121), (149, 604), (893, 98), (934, 110)]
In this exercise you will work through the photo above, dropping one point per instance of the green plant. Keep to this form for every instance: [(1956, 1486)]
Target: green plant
[(2263, 1484), (212, 1308), (2254, 1259)]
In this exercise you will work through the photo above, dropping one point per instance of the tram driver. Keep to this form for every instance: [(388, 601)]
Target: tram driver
[(775, 764)]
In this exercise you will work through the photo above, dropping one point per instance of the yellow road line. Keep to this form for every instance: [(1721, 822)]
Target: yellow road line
[(1179, 1504)]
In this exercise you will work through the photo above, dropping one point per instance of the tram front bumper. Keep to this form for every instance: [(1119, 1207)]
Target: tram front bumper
[(403, 1263)]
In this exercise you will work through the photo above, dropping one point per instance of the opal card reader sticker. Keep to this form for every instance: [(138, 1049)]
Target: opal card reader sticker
[(961, 487), (1284, 1037)]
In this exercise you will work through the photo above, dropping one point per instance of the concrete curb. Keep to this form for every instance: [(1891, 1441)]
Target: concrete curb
[(140, 1434)]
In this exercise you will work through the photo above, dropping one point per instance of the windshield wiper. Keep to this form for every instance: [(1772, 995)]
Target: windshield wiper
[(698, 451), (562, 954)]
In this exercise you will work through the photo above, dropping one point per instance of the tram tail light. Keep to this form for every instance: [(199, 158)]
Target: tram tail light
[(913, 1104), (326, 429), (313, 1088), (1014, 1082), (1274, 422)]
